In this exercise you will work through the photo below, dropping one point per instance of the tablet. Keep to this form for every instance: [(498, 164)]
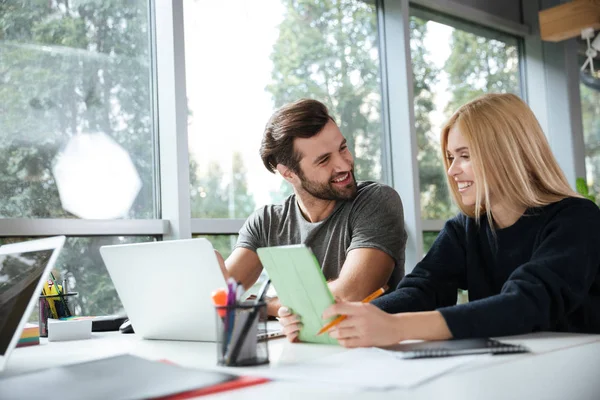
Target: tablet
[(296, 275)]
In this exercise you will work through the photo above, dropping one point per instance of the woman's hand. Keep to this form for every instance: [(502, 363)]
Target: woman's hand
[(290, 322), (365, 325)]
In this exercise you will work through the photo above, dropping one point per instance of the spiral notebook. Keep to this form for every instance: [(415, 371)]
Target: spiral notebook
[(458, 347)]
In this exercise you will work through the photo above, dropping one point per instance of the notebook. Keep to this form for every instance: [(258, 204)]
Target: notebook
[(121, 377), (459, 347), (296, 275), (24, 267), (166, 287)]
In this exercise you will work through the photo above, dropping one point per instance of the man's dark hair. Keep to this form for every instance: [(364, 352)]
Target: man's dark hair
[(303, 118)]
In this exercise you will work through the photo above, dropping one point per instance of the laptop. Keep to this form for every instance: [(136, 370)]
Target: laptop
[(166, 287), (24, 267)]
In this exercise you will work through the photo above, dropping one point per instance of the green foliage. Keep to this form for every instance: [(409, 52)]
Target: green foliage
[(582, 189), (479, 65), (428, 239), (327, 50), (66, 68), (476, 65), (210, 198), (432, 178), (590, 109)]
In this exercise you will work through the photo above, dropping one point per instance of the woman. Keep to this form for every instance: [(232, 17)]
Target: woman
[(525, 246)]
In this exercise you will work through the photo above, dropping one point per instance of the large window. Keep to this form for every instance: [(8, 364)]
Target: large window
[(263, 55), (70, 70), (590, 109), (452, 64)]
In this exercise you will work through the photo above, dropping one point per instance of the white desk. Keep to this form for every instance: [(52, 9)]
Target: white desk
[(562, 366)]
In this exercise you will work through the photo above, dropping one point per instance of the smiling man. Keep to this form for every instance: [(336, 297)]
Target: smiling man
[(356, 230)]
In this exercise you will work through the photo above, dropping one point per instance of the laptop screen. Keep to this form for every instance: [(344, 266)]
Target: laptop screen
[(20, 274)]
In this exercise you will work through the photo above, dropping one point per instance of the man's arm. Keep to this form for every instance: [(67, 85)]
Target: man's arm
[(364, 271), (243, 265)]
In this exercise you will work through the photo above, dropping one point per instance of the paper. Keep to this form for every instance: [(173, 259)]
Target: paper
[(368, 369), (301, 286)]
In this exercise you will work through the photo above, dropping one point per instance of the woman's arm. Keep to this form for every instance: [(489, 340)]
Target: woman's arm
[(545, 292), (366, 325), (434, 282)]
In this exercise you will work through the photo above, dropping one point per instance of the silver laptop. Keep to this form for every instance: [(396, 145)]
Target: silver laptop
[(23, 269), (166, 287)]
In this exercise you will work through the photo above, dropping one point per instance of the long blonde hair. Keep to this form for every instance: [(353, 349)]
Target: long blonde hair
[(510, 155)]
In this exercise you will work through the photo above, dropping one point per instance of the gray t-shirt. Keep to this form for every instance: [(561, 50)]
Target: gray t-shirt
[(373, 219)]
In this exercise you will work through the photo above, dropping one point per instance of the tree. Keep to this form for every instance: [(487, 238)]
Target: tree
[(327, 50), (590, 109), (69, 68), (479, 65), (432, 179), (211, 198)]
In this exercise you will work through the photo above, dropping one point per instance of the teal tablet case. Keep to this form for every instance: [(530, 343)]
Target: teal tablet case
[(296, 275)]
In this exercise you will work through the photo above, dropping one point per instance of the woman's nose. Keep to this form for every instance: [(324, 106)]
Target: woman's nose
[(453, 170)]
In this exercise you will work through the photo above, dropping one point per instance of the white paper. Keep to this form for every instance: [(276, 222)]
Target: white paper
[(368, 368)]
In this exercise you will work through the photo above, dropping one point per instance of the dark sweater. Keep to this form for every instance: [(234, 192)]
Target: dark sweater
[(540, 274)]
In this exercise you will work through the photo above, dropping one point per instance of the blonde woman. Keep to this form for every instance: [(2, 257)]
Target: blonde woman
[(525, 246)]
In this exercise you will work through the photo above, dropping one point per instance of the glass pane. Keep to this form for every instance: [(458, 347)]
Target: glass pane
[(71, 70), (225, 244), (80, 263), (222, 243), (452, 64), (428, 239), (268, 53), (590, 109)]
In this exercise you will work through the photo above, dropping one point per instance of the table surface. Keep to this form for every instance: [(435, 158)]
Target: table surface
[(560, 366)]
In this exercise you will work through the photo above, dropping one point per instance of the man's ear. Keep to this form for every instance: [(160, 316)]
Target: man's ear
[(287, 173)]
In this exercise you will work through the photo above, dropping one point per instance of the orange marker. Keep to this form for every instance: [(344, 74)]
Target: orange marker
[(219, 298), (340, 318)]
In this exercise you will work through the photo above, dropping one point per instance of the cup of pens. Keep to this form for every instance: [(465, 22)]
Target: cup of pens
[(238, 325), (53, 303)]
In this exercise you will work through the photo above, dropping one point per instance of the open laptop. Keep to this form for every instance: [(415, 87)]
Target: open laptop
[(24, 267), (166, 287)]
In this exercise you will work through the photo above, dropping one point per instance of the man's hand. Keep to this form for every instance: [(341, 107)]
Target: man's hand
[(273, 306), (291, 323)]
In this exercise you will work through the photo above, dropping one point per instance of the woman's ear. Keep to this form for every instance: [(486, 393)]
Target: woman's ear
[(287, 173)]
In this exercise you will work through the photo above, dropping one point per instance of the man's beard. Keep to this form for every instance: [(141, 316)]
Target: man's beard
[(327, 191)]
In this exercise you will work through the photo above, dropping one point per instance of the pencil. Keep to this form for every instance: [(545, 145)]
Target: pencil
[(340, 318)]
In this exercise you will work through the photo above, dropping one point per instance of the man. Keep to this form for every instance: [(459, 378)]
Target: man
[(355, 231)]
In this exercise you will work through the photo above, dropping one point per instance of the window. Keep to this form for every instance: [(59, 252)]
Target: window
[(590, 108), (79, 262), (452, 63), (69, 69), (263, 55)]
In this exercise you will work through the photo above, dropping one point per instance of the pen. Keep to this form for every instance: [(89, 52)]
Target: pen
[(340, 318)]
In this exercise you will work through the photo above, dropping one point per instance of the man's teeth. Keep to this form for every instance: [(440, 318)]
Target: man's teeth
[(340, 179), (464, 185)]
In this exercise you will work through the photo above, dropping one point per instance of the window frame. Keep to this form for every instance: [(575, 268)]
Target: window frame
[(539, 79)]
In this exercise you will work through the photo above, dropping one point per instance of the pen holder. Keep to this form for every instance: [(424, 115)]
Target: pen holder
[(238, 325), (53, 306)]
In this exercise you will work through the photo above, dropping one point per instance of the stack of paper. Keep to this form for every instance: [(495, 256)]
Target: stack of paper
[(30, 335)]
